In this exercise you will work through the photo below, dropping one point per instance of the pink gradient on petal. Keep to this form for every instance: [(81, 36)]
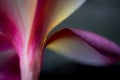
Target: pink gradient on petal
[(101, 44), (9, 30)]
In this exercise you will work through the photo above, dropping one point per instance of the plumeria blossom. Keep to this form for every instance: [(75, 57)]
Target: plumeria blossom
[(24, 29)]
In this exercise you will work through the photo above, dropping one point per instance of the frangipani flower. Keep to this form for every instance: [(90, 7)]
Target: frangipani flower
[(24, 26)]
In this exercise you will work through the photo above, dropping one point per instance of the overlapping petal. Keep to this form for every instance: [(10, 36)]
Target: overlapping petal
[(85, 47), (26, 23), (16, 17), (50, 13)]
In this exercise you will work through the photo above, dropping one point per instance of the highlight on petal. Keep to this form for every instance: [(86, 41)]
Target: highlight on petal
[(84, 47), (59, 10), (21, 12), (26, 23), (9, 63), (16, 19), (50, 13), (15, 24)]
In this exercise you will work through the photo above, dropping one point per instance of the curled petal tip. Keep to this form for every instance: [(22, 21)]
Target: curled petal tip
[(84, 47)]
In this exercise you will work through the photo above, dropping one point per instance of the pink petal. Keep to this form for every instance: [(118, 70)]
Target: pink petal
[(16, 18), (9, 63), (84, 47), (49, 14), (26, 24)]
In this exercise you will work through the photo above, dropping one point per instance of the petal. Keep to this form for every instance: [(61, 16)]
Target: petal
[(16, 18), (84, 47), (9, 64), (20, 12), (50, 13), (26, 22), (60, 10)]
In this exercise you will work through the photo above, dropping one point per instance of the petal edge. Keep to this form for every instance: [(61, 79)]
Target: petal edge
[(95, 50)]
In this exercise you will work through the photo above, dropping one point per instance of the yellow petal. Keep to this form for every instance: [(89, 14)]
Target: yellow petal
[(59, 10)]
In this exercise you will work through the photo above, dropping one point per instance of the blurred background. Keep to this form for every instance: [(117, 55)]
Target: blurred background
[(99, 16)]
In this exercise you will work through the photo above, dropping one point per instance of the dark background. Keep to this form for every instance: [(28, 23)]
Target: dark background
[(99, 16)]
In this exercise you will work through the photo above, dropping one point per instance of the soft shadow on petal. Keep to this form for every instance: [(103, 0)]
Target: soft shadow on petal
[(9, 61), (84, 47)]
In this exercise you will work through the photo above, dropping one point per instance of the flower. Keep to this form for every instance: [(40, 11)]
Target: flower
[(24, 29)]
